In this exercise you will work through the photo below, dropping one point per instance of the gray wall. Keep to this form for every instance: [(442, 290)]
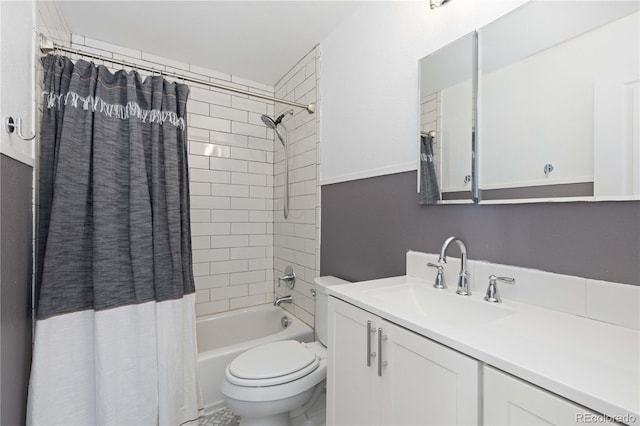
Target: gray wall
[(15, 289), (368, 225)]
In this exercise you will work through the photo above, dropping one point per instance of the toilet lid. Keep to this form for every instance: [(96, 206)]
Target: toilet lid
[(272, 364)]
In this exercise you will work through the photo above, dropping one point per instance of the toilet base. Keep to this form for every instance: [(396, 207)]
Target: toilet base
[(315, 416), (268, 413)]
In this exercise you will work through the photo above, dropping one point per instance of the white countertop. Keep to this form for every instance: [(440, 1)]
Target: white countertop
[(589, 362)]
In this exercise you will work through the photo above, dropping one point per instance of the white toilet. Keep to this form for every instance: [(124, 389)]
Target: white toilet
[(273, 383)]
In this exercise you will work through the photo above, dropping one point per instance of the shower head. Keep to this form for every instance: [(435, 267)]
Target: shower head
[(273, 124), (269, 122)]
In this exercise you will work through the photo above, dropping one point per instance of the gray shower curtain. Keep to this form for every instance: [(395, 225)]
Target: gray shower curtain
[(115, 330), (429, 191)]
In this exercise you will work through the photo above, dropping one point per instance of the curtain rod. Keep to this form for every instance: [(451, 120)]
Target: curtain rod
[(47, 46)]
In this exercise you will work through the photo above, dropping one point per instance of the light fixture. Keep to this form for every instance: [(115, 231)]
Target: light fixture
[(436, 3)]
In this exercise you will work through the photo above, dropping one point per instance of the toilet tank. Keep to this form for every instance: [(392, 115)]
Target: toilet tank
[(321, 305)]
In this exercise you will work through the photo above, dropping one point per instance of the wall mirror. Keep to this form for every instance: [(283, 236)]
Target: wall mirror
[(447, 81), (558, 103)]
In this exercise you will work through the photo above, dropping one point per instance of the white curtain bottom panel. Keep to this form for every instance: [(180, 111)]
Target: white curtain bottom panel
[(131, 365)]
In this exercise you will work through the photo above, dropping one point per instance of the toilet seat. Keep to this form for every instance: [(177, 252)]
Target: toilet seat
[(263, 394), (272, 364)]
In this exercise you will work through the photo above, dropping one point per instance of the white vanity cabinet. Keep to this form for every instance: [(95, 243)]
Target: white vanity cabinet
[(410, 380), (511, 401)]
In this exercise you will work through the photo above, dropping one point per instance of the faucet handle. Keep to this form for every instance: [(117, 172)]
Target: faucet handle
[(492, 291), (289, 277), (439, 283), (508, 280)]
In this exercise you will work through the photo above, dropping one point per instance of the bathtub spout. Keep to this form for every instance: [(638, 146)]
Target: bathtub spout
[(284, 299)]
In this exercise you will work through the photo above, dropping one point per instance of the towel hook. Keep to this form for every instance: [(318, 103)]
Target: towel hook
[(10, 126)]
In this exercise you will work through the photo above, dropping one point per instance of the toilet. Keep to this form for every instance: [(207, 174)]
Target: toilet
[(276, 382)]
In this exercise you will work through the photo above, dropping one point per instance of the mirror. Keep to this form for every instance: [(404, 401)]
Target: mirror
[(447, 80), (558, 103)]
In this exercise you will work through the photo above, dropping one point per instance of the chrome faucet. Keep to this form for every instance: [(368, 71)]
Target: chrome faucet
[(283, 299), (463, 280)]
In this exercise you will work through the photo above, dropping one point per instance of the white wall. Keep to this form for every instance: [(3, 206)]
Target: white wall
[(554, 87), (370, 81), (16, 79), (455, 133)]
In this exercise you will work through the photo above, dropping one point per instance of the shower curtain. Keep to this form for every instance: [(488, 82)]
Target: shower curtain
[(429, 191), (115, 336)]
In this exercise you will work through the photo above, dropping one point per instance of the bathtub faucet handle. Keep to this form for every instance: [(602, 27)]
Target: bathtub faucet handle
[(289, 277)]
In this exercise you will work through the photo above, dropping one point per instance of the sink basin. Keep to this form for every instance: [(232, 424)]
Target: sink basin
[(446, 306)]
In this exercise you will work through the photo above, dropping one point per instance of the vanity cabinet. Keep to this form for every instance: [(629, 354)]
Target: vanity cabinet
[(511, 401), (409, 380)]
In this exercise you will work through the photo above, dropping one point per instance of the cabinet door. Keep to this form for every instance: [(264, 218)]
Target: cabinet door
[(351, 384), (511, 401), (426, 383)]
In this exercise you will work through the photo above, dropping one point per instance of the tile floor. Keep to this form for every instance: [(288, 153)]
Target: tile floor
[(222, 417)]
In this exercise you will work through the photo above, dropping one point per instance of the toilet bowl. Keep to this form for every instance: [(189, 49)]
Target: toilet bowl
[(272, 383)]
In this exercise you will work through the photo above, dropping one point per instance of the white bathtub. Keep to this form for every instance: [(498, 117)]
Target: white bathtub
[(222, 337)]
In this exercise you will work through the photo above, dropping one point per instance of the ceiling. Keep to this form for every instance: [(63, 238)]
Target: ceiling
[(257, 40)]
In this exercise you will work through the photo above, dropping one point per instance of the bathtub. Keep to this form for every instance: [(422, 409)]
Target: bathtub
[(222, 337)]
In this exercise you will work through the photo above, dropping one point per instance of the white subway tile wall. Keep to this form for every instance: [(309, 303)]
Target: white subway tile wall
[(296, 240), (241, 242)]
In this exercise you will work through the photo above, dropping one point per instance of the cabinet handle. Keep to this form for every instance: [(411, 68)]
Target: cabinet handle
[(380, 362), (370, 331)]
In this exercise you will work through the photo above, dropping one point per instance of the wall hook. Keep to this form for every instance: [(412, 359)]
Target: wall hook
[(10, 126)]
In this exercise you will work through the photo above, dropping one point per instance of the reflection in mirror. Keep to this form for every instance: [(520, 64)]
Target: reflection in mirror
[(446, 123), (558, 111)]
